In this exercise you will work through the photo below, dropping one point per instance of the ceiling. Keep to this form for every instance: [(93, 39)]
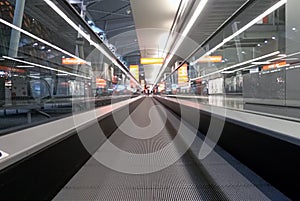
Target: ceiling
[(115, 18), (137, 28), (153, 21), (140, 28), (214, 14)]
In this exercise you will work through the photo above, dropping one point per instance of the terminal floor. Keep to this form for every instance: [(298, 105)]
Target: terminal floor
[(116, 180)]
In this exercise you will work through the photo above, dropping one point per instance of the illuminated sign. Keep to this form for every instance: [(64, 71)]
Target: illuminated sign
[(182, 74), (72, 61), (161, 86), (100, 82), (9, 69), (276, 65), (134, 70), (212, 59), (146, 61)]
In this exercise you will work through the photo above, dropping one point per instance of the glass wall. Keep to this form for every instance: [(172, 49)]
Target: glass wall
[(253, 60), (52, 64)]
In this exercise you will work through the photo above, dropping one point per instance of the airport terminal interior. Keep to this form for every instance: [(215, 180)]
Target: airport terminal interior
[(149, 100)]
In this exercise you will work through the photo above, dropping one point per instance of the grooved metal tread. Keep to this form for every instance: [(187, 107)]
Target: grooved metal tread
[(182, 180)]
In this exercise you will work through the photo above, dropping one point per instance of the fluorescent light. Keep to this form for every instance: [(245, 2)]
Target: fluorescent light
[(257, 19), (45, 67), (185, 32), (36, 77), (252, 60), (292, 59), (25, 66), (37, 38), (293, 54), (193, 19), (244, 68), (243, 29), (77, 28), (239, 64), (87, 37), (227, 72), (261, 62), (282, 55)]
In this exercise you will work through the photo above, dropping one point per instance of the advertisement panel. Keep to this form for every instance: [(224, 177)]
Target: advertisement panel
[(183, 75), (134, 70)]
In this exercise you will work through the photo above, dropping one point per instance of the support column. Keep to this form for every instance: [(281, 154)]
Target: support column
[(292, 27), (15, 34)]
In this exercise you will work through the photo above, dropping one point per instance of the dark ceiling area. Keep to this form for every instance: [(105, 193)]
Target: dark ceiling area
[(115, 19)]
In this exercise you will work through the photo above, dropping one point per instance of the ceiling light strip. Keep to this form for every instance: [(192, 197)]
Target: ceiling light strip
[(39, 39), (285, 56), (193, 19), (87, 37), (239, 64), (244, 68), (45, 67), (77, 28), (247, 26), (257, 19), (187, 29)]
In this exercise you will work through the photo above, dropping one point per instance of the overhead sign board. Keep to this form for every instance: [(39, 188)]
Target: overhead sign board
[(72, 61), (182, 74), (211, 59), (147, 61), (134, 70), (276, 65), (100, 83), (10, 69)]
